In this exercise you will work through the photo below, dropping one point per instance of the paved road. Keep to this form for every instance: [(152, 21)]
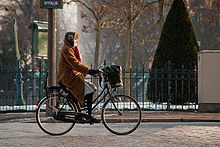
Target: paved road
[(195, 134)]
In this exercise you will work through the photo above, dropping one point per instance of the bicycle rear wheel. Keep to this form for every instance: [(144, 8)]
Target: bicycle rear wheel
[(46, 111), (121, 114)]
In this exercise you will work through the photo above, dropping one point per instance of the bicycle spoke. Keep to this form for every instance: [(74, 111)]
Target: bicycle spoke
[(121, 115), (47, 111)]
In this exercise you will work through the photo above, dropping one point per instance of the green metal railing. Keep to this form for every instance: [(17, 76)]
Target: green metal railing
[(164, 89)]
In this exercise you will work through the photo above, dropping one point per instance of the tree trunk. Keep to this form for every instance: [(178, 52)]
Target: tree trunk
[(161, 20), (128, 53), (96, 58), (98, 34)]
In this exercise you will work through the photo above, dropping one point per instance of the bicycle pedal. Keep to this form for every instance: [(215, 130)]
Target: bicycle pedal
[(85, 118)]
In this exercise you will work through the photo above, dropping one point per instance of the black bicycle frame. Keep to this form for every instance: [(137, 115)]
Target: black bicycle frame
[(106, 88)]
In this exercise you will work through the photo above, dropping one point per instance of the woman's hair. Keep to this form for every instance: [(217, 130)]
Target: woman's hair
[(71, 36)]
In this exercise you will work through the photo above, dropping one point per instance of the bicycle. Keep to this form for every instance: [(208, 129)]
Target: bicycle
[(57, 113)]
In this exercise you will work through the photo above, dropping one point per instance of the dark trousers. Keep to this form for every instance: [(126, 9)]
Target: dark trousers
[(88, 101)]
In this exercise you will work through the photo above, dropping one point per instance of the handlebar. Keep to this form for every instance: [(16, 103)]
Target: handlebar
[(100, 76), (100, 71)]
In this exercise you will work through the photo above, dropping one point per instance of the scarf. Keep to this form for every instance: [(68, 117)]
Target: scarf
[(77, 54), (75, 49)]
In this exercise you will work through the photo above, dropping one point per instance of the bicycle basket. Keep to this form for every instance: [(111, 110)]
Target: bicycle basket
[(113, 74)]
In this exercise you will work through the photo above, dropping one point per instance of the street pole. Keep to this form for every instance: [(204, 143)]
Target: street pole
[(51, 5), (51, 48), (51, 53)]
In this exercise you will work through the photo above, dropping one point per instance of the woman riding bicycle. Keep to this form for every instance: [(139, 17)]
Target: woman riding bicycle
[(120, 114), (72, 72)]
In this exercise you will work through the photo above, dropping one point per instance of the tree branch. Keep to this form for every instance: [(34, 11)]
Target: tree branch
[(90, 9)]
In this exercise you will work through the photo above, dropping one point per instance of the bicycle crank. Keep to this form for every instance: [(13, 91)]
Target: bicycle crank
[(74, 117)]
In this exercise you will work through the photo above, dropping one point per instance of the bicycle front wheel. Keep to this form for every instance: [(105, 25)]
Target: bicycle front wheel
[(46, 115), (121, 114)]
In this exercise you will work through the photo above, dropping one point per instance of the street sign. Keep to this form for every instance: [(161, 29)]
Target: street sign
[(51, 4)]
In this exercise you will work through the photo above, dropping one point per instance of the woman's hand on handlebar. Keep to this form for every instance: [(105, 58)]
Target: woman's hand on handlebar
[(93, 72)]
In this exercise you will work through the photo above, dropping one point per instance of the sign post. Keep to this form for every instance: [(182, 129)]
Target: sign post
[(51, 5), (51, 47)]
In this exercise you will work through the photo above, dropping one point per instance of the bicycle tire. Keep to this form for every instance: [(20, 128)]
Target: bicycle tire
[(47, 122), (126, 122)]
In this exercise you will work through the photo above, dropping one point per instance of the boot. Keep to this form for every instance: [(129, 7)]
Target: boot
[(88, 102)]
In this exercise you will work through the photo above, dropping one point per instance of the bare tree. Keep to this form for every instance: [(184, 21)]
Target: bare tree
[(130, 11), (99, 17), (205, 17), (24, 12)]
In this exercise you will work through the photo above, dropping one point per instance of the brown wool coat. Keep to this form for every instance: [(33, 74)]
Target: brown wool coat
[(71, 72)]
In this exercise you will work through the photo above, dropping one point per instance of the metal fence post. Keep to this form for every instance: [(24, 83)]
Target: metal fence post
[(169, 85), (182, 84), (143, 85), (136, 84), (196, 86)]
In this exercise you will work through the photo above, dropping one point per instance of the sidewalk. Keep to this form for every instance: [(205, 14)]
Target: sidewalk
[(173, 116), (147, 116)]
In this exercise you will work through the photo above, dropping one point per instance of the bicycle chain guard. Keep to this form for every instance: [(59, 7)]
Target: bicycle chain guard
[(74, 117)]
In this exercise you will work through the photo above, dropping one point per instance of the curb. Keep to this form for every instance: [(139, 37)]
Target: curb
[(33, 120), (179, 120), (146, 117)]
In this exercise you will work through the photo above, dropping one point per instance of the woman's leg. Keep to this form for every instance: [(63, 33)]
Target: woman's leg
[(88, 100)]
